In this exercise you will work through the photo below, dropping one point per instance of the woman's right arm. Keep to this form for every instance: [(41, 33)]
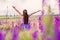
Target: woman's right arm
[(17, 10)]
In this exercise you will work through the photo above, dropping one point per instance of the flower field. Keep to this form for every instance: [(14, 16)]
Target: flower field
[(40, 28)]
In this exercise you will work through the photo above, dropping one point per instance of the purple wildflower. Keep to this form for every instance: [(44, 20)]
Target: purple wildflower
[(40, 25), (12, 24), (15, 33), (56, 28), (49, 38), (34, 35), (1, 35)]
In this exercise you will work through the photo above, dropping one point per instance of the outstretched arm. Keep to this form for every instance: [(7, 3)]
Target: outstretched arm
[(17, 11), (34, 12)]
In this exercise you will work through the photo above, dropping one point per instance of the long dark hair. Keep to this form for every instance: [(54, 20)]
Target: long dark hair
[(25, 12), (26, 17)]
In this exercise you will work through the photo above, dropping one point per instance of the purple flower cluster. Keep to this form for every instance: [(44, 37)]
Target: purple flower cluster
[(1, 36), (56, 28), (40, 24), (15, 33), (34, 35)]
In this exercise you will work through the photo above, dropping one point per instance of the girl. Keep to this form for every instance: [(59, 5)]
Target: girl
[(25, 16)]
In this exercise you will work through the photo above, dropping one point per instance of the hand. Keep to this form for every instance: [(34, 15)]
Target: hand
[(13, 6)]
